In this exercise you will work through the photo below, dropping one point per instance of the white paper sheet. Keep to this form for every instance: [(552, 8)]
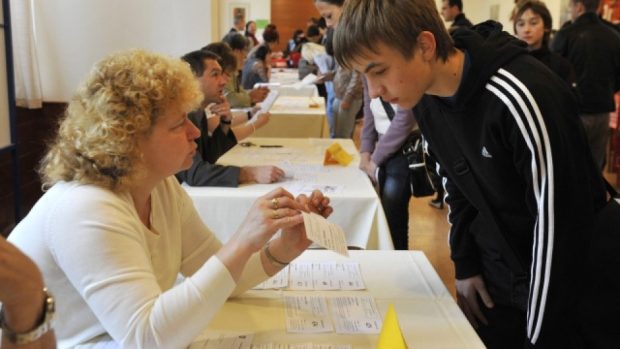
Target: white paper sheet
[(301, 346), (280, 280), (325, 233), (223, 340), (307, 314), (355, 314), (266, 104)]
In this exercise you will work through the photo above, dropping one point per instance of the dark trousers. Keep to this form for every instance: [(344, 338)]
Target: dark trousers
[(507, 330), (395, 194)]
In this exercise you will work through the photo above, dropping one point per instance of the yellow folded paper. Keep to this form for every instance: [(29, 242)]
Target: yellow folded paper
[(335, 154), (391, 336)]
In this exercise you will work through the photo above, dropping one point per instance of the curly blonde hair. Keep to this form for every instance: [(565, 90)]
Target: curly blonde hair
[(120, 101)]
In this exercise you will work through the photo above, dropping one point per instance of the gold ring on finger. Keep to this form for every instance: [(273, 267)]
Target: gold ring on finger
[(275, 203), (275, 214)]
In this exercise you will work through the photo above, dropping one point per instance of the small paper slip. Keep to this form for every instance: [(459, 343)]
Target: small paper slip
[(266, 105), (325, 276), (355, 314), (325, 233), (314, 276), (301, 276), (350, 276), (280, 280), (307, 314), (301, 346), (224, 341), (307, 80), (266, 84), (335, 154)]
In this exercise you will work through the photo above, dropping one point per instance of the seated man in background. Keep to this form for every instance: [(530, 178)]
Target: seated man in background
[(244, 121), (27, 308), (215, 138), (237, 96)]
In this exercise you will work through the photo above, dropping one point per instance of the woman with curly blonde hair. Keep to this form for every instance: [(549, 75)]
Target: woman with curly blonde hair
[(115, 228)]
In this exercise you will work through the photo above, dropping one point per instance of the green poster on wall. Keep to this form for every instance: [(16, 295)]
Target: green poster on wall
[(261, 23)]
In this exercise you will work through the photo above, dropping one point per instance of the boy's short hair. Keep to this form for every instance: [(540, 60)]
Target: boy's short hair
[(236, 41), (196, 60), (364, 24), (227, 59), (457, 3), (589, 5)]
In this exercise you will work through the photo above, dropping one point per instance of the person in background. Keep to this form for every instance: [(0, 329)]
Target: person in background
[(533, 25), (522, 187), (309, 50), (114, 228), (381, 149), (294, 44), (593, 49), (250, 34), (215, 138), (260, 70), (452, 11), (236, 95), (347, 101), (27, 306), (271, 37), (347, 85), (244, 122), (238, 26)]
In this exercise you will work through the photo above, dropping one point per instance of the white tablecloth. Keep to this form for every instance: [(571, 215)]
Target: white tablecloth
[(293, 117), (357, 207), (428, 316), (284, 75)]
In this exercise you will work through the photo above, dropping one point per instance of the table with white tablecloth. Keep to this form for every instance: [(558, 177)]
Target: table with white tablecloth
[(428, 316), (293, 117), (357, 208)]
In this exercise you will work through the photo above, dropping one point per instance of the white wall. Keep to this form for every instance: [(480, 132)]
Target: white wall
[(73, 34), (258, 9)]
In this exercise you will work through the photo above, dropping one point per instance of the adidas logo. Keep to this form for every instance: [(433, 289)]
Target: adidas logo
[(486, 153)]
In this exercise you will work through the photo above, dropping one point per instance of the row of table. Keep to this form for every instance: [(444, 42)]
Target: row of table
[(294, 140)]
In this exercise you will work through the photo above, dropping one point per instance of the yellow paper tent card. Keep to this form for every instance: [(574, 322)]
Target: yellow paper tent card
[(391, 336), (335, 154)]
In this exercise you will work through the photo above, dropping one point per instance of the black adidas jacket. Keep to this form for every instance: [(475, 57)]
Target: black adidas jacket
[(513, 131)]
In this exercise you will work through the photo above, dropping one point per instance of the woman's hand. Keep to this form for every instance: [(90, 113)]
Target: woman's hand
[(222, 109), (261, 119), (293, 240), (271, 212)]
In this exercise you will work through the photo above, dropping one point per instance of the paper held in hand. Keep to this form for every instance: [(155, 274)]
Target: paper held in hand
[(266, 105), (310, 79), (324, 233)]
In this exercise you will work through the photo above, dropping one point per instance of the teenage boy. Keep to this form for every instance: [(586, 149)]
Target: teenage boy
[(522, 186)]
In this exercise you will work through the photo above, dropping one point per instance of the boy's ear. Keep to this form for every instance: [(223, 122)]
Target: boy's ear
[(427, 45)]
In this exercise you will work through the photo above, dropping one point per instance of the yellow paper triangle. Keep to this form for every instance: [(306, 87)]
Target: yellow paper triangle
[(335, 154), (391, 337)]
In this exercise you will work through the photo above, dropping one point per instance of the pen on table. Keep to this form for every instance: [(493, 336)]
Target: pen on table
[(270, 146)]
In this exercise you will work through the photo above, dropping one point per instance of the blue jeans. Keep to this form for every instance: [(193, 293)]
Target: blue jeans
[(395, 194), (329, 108)]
